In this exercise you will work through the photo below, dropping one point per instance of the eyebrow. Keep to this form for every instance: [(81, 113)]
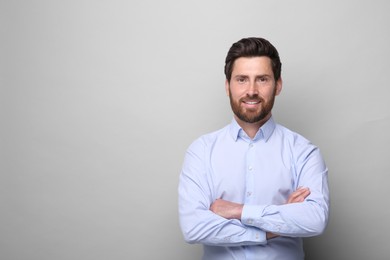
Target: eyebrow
[(241, 76), (257, 76)]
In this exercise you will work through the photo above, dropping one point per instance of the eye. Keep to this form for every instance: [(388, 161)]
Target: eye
[(263, 79), (241, 79)]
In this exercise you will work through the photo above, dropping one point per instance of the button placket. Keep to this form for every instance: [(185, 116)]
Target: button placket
[(249, 173)]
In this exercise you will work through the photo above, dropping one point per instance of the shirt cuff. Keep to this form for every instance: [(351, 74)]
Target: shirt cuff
[(258, 236), (251, 215), (263, 217)]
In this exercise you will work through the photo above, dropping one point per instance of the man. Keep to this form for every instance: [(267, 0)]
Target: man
[(253, 189)]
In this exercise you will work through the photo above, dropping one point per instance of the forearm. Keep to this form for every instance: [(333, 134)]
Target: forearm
[(296, 220), (199, 224), (210, 229), (278, 219)]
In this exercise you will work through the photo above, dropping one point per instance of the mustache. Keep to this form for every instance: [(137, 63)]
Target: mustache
[(252, 98)]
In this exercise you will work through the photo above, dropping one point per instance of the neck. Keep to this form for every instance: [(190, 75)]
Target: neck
[(251, 129)]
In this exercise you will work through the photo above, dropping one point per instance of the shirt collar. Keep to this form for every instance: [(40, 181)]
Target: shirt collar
[(264, 132)]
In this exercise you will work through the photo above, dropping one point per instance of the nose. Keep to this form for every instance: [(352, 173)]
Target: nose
[(252, 89)]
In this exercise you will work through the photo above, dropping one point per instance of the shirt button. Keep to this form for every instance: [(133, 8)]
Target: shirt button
[(250, 145), (250, 168), (249, 193)]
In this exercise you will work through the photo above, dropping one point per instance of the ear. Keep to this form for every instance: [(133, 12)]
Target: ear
[(279, 86), (227, 88)]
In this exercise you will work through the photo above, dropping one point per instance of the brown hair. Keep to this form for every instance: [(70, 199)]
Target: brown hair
[(252, 47)]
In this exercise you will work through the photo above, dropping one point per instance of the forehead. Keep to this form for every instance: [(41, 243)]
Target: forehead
[(252, 65)]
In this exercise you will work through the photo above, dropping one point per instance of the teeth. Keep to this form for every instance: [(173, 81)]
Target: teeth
[(251, 102)]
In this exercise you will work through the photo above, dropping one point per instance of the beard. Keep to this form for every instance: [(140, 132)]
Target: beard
[(252, 116)]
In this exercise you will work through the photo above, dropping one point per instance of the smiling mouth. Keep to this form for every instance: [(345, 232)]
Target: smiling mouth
[(251, 102)]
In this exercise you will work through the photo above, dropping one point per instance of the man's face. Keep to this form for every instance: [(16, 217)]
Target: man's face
[(252, 89)]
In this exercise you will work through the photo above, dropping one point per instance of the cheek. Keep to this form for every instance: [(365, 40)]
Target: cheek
[(235, 97), (236, 93), (269, 94)]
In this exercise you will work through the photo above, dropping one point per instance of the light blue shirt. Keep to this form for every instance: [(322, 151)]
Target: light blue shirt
[(260, 173)]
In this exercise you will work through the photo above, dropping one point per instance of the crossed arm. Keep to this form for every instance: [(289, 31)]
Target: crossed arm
[(232, 210), (225, 223)]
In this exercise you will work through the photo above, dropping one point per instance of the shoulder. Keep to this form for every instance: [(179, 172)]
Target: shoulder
[(292, 139), (301, 151), (208, 140), (289, 134)]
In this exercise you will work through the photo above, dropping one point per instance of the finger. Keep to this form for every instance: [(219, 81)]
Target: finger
[(302, 190), (305, 193), (299, 192), (299, 195)]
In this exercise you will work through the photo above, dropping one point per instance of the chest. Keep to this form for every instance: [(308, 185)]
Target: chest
[(252, 174)]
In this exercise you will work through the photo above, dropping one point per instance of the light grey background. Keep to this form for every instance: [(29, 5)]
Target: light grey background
[(100, 99)]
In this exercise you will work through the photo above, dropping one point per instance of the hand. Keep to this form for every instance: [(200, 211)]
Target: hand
[(227, 209), (299, 195), (270, 235)]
